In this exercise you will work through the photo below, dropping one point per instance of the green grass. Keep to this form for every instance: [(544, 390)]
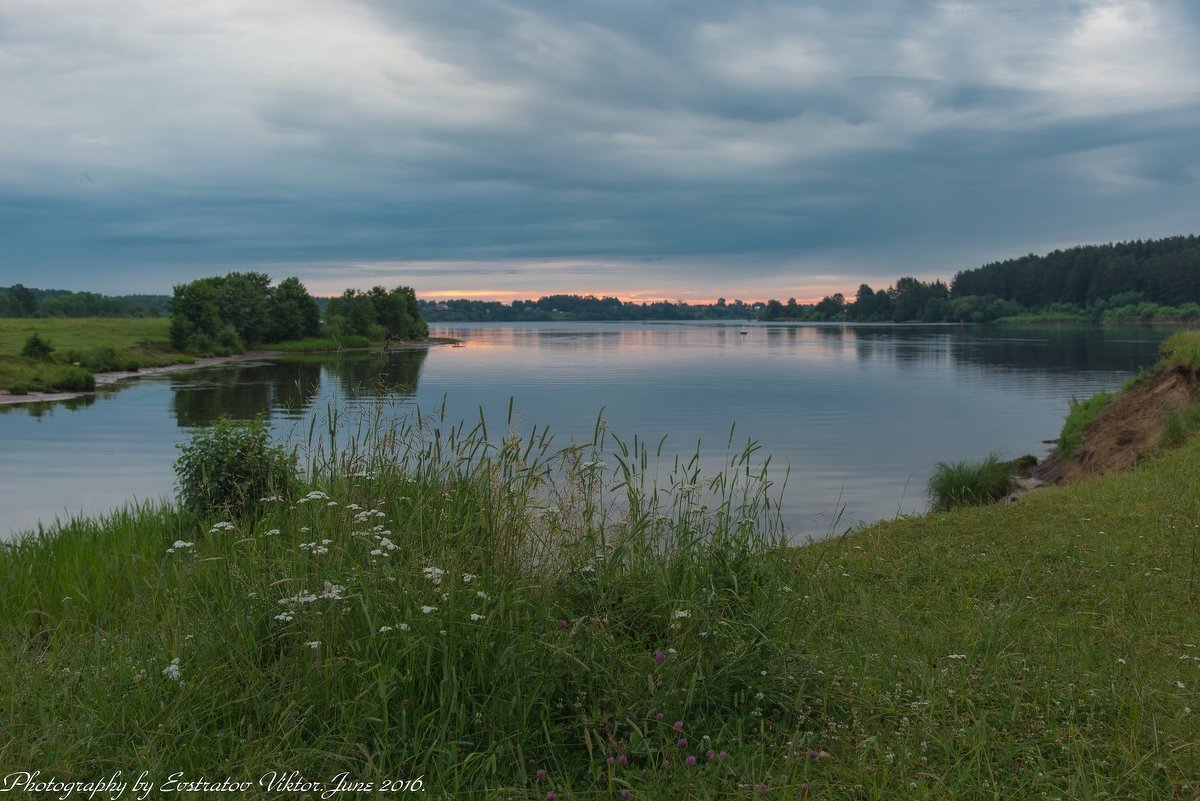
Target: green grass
[(1182, 349), (969, 483), (1079, 417), (81, 346), (488, 610), (82, 333)]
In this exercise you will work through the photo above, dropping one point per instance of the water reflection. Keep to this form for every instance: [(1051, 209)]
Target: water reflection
[(396, 373), (290, 388), (40, 409), (242, 391), (858, 414)]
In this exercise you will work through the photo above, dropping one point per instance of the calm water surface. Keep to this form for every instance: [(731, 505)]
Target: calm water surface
[(858, 414)]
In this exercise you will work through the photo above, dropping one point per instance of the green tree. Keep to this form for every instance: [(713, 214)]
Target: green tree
[(831, 306), (22, 301), (293, 312), (244, 300), (196, 315)]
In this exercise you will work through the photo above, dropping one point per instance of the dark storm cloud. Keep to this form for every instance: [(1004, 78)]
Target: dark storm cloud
[(621, 145)]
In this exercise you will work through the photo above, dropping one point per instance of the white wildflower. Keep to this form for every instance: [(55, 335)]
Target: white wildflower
[(468, 577), (222, 526), (955, 656), (313, 644), (302, 598), (682, 613), (425, 610), (180, 545), (285, 617), (1179, 684), (481, 594), (384, 542), (274, 532), (403, 627), (475, 617), (332, 503), (172, 671), (434, 574), (333, 591), (384, 629)]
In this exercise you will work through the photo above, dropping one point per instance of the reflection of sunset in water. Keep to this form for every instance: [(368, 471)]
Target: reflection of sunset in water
[(858, 415)]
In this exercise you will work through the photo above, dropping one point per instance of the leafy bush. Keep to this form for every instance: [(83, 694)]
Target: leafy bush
[(102, 360), (73, 379), (37, 348), (970, 483), (228, 464), (1080, 416)]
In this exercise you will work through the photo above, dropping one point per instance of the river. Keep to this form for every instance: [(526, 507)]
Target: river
[(855, 416)]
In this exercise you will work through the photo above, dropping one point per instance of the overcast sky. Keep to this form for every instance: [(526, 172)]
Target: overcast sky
[(676, 148)]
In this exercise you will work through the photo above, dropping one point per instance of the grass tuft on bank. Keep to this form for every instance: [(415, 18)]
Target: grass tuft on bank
[(967, 483), (504, 618)]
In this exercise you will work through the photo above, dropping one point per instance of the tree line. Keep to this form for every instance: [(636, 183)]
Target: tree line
[(583, 307), (226, 314), (1144, 279), (21, 301)]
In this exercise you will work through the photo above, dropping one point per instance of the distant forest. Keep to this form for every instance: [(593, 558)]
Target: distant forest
[(19, 301), (1145, 279), (1150, 279)]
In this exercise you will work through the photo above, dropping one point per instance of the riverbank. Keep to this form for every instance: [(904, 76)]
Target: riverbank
[(104, 379), (430, 608)]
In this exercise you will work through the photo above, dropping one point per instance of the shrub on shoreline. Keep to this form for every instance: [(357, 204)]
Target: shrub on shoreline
[(227, 465), (967, 483)]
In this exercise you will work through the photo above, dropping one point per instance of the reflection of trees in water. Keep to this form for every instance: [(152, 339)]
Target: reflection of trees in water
[(39, 409), (289, 387), (242, 392), (1070, 349), (369, 376)]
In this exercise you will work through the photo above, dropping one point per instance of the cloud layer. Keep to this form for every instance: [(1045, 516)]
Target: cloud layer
[(685, 149)]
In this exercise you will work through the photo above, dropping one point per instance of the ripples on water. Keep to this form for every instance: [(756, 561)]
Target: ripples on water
[(857, 414)]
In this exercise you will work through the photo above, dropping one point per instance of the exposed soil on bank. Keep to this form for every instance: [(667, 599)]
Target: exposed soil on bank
[(1129, 428)]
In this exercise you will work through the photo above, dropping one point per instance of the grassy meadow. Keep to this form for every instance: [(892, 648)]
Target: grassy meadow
[(82, 346), (514, 620)]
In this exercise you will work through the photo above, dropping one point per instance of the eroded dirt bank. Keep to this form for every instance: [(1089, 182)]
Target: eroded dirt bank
[(1130, 427)]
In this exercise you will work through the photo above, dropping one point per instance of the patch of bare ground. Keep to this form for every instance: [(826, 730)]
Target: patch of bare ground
[(1127, 429)]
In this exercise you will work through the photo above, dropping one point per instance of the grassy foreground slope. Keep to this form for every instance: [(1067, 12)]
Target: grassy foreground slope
[(447, 611)]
